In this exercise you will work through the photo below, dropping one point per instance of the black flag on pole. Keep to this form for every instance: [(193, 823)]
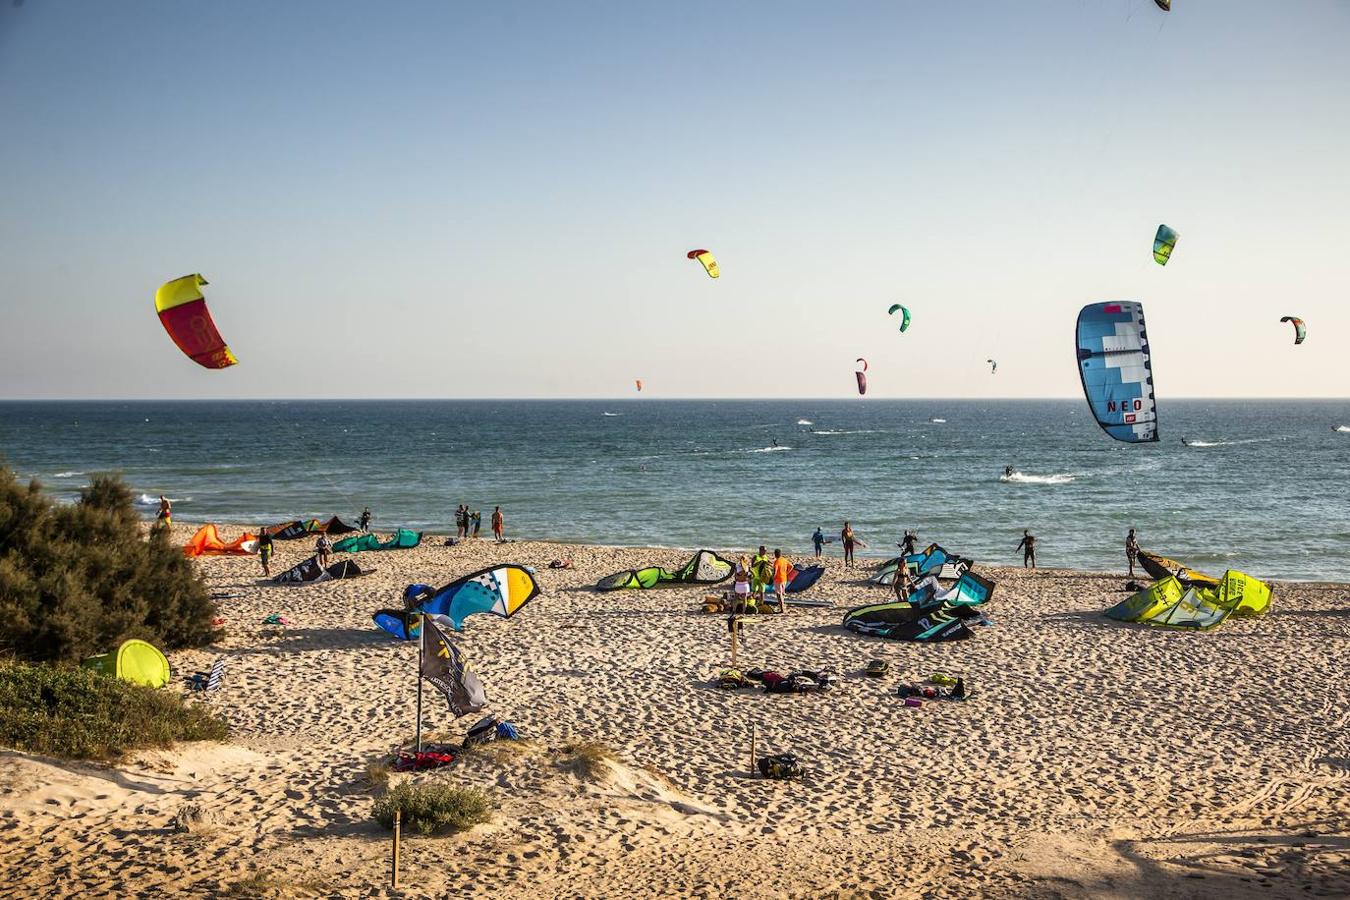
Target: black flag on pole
[(445, 669)]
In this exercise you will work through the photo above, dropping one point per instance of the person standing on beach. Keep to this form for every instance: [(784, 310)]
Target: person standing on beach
[(477, 519), (782, 574), (165, 516), (848, 538), (1028, 548), (761, 570), (265, 551), (907, 544), (818, 541), (365, 519), (741, 585), (461, 525), (323, 549), (903, 584), (498, 523), (1131, 551)]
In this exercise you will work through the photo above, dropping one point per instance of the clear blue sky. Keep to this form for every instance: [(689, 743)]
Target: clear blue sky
[(426, 199)]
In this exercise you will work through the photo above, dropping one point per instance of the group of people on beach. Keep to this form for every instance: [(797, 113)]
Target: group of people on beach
[(751, 578), (468, 522)]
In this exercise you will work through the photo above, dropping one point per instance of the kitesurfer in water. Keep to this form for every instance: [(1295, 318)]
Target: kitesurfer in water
[(818, 540), (1007, 471), (847, 537), (1131, 550), (1028, 548)]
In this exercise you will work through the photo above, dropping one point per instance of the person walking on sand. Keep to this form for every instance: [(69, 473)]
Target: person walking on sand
[(323, 549), (365, 519), (165, 516), (903, 584), (782, 574), (818, 541), (847, 537), (265, 551), (1028, 548), (498, 523), (1131, 551), (477, 519)]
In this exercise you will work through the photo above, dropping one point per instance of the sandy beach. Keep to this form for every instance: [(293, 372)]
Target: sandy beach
[(1094, 759)]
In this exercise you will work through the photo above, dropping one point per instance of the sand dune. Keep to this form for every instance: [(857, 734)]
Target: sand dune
[(1094, 759)]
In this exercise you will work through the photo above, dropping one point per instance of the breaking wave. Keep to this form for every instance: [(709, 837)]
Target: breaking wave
[(1019, 478)]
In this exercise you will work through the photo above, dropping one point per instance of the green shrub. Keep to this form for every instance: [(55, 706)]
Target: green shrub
[(434, 808), (80, 714), (79, 579)]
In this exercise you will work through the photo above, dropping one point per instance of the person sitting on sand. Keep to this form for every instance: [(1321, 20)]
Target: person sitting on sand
[(558, 563), (1028, 548), (498, 524), (848, 537), (365, 519), (782, 574), (265, 551), (1131, 550), (818, 541)]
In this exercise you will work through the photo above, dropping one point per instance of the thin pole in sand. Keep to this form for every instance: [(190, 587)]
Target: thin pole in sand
[(398, 828), (734, 624), (754, 740), (421, 644)]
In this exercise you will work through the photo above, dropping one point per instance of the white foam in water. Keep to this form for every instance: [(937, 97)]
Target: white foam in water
[(1019, 478), (1229, 443), (860, 431), (147, 500), (809, 422), (938, 421), (768, 449), (611, 415), (1343, 428), (67, 474)]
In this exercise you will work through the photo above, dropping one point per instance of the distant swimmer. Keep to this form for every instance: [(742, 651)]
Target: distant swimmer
[(775, 442)]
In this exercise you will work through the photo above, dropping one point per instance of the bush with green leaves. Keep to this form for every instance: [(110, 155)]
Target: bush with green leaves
[(81, 714), (78, 579), (434, 808)]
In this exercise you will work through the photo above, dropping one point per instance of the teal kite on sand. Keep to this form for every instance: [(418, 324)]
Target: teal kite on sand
[(402, 539)]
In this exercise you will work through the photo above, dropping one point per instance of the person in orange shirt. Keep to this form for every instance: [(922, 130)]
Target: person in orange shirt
[(782, 573)]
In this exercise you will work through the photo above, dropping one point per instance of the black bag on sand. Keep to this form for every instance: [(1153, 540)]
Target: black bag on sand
[(483, 732), (780, 766)]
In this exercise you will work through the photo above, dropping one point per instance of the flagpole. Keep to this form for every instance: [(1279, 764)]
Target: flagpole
[(421, 643)]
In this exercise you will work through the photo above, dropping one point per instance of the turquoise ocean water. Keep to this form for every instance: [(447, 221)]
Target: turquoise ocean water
[(1264, 485)]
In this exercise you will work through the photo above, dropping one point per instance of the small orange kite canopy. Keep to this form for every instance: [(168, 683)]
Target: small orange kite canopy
[(207, 542), (183, 313)]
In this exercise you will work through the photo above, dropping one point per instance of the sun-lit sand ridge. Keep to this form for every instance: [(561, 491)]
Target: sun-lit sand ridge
[(1094, 760)]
